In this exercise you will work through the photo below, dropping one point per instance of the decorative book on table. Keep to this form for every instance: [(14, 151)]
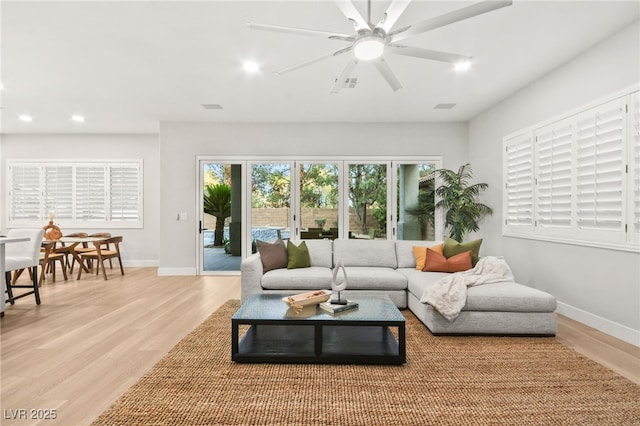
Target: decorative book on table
[(334, 309)]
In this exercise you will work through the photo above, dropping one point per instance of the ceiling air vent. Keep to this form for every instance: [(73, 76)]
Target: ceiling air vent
[(211, 106), (444, 106)]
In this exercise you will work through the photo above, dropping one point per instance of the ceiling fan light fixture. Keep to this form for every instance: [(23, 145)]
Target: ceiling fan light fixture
[(369, 48)]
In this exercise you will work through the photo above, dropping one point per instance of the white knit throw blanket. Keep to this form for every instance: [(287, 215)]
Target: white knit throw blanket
[(448, 295)]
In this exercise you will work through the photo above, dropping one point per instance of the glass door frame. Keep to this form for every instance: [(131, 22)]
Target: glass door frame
[(200, 162), (248, 217), (297, 219), (439, 217)]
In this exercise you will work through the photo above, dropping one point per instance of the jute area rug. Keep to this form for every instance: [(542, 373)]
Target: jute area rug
[(447, 380)]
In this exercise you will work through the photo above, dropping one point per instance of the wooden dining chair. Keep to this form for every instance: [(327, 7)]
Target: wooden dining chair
[(100, 255), (65, 250), (48, 264)]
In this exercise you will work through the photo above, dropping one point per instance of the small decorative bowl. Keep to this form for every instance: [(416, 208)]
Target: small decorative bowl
[(298, 301)]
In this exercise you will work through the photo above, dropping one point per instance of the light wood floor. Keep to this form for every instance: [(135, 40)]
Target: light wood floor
[(90, 340)]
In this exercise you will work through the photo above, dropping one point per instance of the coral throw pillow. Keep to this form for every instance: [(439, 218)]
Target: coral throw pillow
[(420, 252), (436, 262)]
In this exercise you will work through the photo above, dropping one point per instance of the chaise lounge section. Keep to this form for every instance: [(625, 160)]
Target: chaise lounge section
[(389, 267)]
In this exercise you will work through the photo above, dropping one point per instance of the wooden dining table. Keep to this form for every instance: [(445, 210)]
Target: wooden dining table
[(70, 243)]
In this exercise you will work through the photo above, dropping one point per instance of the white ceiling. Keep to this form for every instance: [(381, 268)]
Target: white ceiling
[(126, 66)]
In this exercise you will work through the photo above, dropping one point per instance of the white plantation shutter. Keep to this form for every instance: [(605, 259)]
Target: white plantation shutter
[(634, 168), (91, 195), (25, 193), (600, 168), (554, 183), (586, 181), (124, 192), (87, 195), (519, 181), (58, 191)]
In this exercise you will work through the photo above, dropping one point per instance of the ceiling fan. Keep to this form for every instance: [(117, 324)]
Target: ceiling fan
[(371, 41)]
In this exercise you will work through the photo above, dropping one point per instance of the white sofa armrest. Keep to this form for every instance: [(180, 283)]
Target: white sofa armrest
[(251, 276)]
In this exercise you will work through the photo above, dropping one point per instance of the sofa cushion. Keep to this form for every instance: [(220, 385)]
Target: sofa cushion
[(273, 255), (374, 278), (379, 253), (298, 255), (495, 297), (404, 251), (312, 278), (320, 252)]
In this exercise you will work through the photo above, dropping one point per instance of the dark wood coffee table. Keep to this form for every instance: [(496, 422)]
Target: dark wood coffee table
[(277, 334)]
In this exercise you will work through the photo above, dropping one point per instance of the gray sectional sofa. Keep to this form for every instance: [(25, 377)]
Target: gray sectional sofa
[(389, 267)]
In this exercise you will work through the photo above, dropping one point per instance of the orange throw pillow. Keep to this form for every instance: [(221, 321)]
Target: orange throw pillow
[(436, 262), (420, 253)]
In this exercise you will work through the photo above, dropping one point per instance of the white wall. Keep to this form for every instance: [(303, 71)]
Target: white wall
[(140, 246), (596, 286), (180, 143)]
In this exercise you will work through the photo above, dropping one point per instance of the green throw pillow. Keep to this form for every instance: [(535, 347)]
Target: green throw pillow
[(451, 247), (298, 255)]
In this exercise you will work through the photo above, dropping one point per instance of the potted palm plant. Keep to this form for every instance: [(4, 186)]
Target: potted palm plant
[(459, 198)]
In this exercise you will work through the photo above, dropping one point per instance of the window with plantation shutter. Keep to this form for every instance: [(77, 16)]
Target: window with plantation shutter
[(519, 182), (58, 191), (124, 192), (586, 182), (91, 200), (634, 168), (79, 194), (554, 182), (600, 169), (25, 193)]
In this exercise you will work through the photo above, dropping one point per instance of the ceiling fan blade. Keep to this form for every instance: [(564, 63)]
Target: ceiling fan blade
[(346, 72), (446, 19), (391, 15), (387, 74), (300, 31), (349, 10), (434, 55), (314, 60)]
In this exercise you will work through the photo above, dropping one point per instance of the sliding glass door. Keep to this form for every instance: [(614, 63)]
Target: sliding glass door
[(220, 221), (244, 201), (318, 215), (368, 198), (271, 194), (415, 200)]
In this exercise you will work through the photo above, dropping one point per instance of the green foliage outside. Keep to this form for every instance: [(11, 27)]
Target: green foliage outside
[(368, 188), (217, 202), (459, 199)]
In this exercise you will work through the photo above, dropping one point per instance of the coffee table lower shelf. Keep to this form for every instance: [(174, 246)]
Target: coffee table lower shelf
[(319, 343)]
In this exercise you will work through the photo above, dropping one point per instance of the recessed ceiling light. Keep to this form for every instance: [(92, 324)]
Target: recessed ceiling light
[(462, 66), (25, 118), (251, 66), (77, 118)]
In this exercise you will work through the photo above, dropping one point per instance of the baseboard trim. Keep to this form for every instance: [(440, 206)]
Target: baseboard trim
[(176, 271), (619, 331), (141, 263)]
